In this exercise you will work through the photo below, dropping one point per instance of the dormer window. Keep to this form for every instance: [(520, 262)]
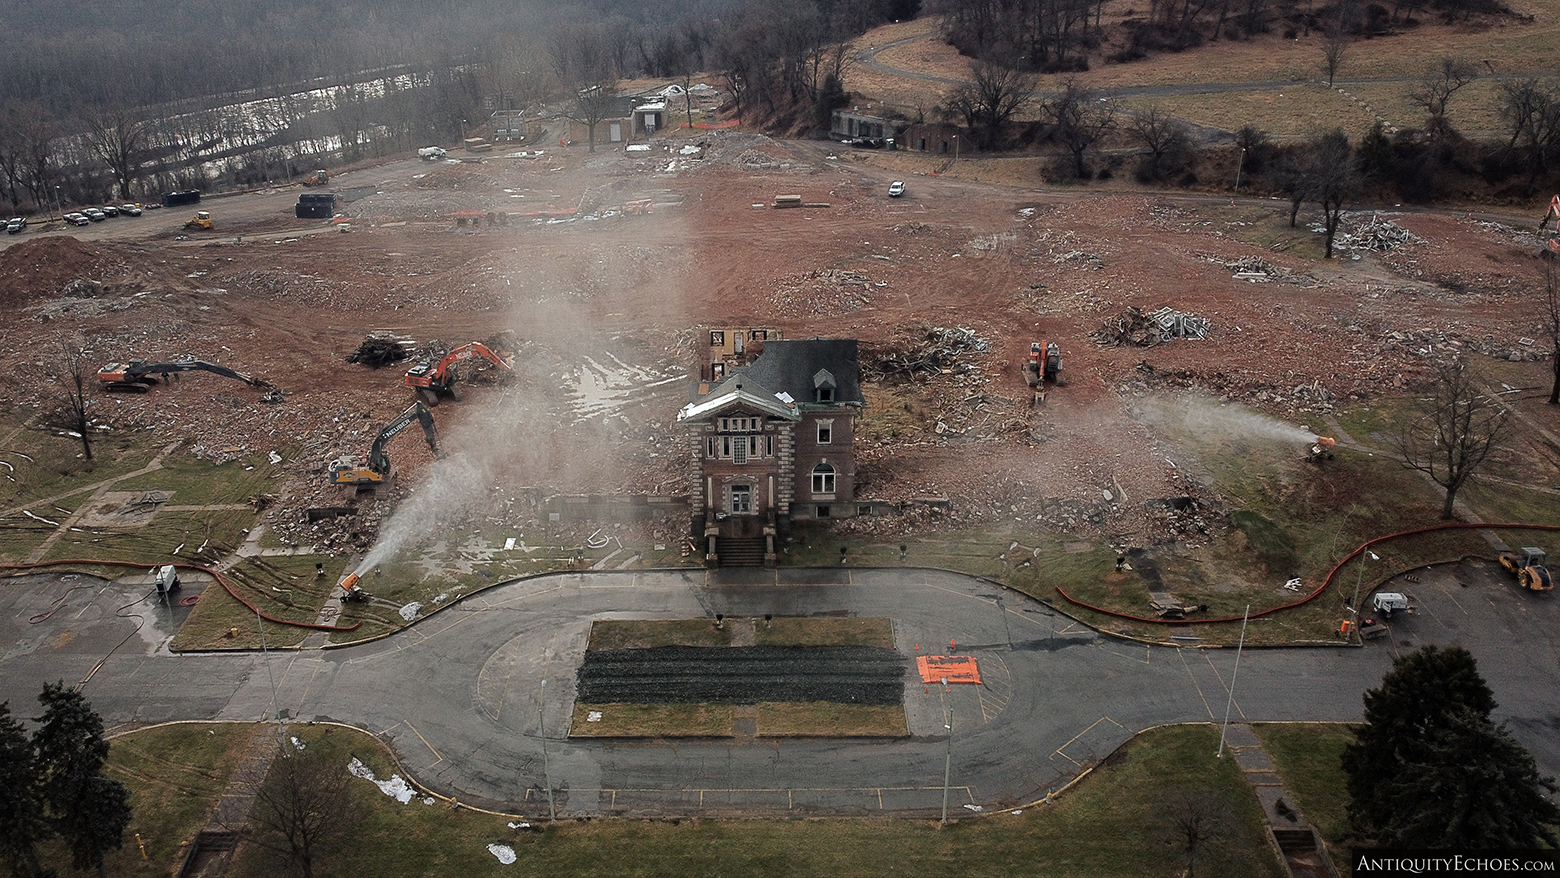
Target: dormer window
[(823, 386)]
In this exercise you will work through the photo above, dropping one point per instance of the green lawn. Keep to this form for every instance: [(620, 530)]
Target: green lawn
[(1112, 824)]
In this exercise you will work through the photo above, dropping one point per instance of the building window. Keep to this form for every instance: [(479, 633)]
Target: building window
[(825, 432), (739, 451), (823, 511), (823, 479), (740, 425), (769, 446), (717, 338), (863, 510), (709, 447), (740, 500)]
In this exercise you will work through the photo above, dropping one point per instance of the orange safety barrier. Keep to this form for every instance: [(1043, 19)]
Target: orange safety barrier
[(948, 668)]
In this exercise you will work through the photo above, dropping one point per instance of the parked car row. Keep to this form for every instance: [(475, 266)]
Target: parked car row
[(88, 215)]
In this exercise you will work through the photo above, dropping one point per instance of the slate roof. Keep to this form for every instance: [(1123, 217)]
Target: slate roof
[(795, 368)]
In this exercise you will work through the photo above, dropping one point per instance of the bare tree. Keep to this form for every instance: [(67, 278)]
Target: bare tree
[(1532, 112), (1081, 121), (119, 137), (1552, 325), (1332, 51), (988, 101), (302, 805), (70, 397), (1165, 138), (592, 105), (1334, 178), (1453, 431), (1194, 819), (1435, 90)]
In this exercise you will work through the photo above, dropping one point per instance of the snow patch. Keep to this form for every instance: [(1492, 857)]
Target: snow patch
[(396, 787), (504, 852)]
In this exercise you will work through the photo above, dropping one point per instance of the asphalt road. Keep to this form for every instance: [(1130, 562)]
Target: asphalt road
[(461, 697)]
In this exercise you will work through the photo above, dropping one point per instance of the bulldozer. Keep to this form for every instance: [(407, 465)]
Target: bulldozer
[(201, 220), (1529, 566)]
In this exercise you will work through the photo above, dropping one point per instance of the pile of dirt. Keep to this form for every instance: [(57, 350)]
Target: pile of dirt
[(46, 266)]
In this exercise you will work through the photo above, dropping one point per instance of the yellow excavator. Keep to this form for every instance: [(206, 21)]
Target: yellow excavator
[(1529, 566), (375, 469)]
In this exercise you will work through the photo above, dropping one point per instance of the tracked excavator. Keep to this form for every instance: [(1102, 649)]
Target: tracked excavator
[(1043, 370), (375, 469), (435, 378), (138, 376)]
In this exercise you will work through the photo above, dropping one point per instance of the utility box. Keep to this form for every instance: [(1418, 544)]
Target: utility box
[(167, 579)]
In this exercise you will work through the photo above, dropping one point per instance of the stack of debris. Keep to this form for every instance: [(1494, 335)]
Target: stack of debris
[(1376, 236), (940, 350), (382, 349), (1080, 259), (1133, 327)]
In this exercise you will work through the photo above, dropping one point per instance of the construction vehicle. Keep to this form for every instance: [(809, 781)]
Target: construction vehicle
[(1322, 449), (1530, 567), (353, 593), (435, 377), (201, 220), (375, 469), (317, 178), (1552, 245), (138, 376), (1043, 370)]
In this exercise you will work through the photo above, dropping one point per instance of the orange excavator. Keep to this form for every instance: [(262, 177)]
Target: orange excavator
[(138, 376), (1043, 370), (1552, 246), (435, 379)]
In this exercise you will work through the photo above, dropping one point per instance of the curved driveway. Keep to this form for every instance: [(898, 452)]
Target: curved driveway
[(460, 696)]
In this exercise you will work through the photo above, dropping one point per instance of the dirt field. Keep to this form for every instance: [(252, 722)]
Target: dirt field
[(605, 308)]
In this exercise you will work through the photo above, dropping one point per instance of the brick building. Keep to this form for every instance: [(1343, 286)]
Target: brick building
[(772, 425)]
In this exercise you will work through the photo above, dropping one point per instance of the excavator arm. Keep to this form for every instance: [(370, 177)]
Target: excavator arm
[(1553, 214), (136, 376), (436, 379), (378, 459)]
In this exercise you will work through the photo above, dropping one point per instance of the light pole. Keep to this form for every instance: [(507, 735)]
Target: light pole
[(59, 209), (281, 732), (552, 809), (955, 147), (947, 760), (1231, 702), (1354, 606), (1238, 168)]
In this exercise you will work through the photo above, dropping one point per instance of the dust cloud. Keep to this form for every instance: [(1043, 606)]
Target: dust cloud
[(580, 390), (1213, 418)]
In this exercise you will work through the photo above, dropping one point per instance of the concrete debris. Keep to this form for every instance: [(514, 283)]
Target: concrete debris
[(939, 350), (1079, 259), (1135, 328), (1376, 236)]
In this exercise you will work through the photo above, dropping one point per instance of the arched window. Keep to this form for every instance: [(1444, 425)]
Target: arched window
[(823, 479)]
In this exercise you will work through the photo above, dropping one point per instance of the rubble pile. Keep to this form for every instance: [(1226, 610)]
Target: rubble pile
[(939, 350), (827, 292), (1079, 259), (382, 350), (1376, 236), (1135, 328)]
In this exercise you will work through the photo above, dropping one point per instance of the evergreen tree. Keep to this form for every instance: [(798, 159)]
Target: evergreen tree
[(21, 813), (90, 811), (1429, 769)]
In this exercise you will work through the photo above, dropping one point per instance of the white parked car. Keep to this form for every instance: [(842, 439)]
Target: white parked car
[(896, 189)]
